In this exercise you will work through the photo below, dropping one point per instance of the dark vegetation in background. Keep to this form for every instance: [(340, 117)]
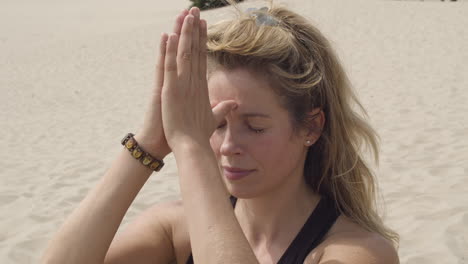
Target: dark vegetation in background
[(209, 4)]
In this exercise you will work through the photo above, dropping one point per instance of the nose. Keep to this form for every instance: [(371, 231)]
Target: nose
[(230, 144)]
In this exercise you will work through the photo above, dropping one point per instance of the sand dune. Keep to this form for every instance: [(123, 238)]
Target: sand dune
[(75, 75)]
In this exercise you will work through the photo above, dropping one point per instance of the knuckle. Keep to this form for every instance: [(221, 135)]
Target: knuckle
[(162, 49), (186, 56), (170, 67), (187, 30)]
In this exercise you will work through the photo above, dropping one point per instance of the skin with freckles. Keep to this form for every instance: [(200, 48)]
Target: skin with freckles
[(274, 200), (255, 136)]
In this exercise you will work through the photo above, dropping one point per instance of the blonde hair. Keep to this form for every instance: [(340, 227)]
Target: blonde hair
[(304, 71)]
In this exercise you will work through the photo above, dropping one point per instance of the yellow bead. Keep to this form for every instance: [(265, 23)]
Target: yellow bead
[(137, 153), (130, 143), (154, 165), (147, 160)]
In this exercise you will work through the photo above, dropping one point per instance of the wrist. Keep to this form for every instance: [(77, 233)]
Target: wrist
[(154, 148), (138, 152), (191, 146)]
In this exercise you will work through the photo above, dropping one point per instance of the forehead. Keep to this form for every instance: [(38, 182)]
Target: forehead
[(249, 90)]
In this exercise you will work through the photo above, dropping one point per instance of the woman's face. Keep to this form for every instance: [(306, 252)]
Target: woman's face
[(256, 138)]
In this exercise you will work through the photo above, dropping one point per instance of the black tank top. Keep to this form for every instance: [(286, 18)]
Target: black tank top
[(311, 234)]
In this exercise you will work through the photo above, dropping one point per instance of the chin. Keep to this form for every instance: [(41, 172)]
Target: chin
[(241, 192), (244, 192)]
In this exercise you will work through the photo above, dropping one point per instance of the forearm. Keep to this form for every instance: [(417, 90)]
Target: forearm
[(86, 235), (215, 234)]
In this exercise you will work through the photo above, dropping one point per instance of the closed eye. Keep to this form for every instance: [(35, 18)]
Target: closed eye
[(258, 131), (255, 130), (221, 125)]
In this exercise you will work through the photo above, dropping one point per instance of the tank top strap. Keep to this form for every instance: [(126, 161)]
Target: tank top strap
[(312, 233), (233, 201)]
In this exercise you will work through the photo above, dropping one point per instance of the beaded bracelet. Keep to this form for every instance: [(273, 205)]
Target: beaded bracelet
[(138, 153)]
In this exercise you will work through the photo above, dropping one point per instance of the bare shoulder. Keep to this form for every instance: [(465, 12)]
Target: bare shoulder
[(160, 216), (156, 233), (167, 212), (349, 243), (174, 223)]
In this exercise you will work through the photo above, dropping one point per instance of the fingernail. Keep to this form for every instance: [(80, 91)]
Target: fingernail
[(196, 11)]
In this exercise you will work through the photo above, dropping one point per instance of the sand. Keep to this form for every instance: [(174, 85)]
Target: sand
[(74, 77)]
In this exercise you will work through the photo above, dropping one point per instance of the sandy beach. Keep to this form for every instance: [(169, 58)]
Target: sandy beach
[(75, 76)]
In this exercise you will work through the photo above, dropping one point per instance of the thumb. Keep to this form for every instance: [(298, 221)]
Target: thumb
[(222, 109)]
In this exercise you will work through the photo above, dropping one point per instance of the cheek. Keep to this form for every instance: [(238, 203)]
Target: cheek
[(267, 149), (266, 145), (277, 153), (271, 149)]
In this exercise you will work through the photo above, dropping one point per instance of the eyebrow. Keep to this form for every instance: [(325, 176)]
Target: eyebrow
[(253, 114)]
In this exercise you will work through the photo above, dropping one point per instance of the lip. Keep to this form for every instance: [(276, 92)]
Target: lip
[(235, 173)]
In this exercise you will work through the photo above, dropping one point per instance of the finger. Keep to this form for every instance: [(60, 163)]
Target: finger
[(180, 21), (195, 43), (184, 51), (160, 62), (203, 50), (222, 109), (170, 65)]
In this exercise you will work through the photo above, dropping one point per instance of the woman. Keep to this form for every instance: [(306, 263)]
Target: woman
[(265, 127)]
